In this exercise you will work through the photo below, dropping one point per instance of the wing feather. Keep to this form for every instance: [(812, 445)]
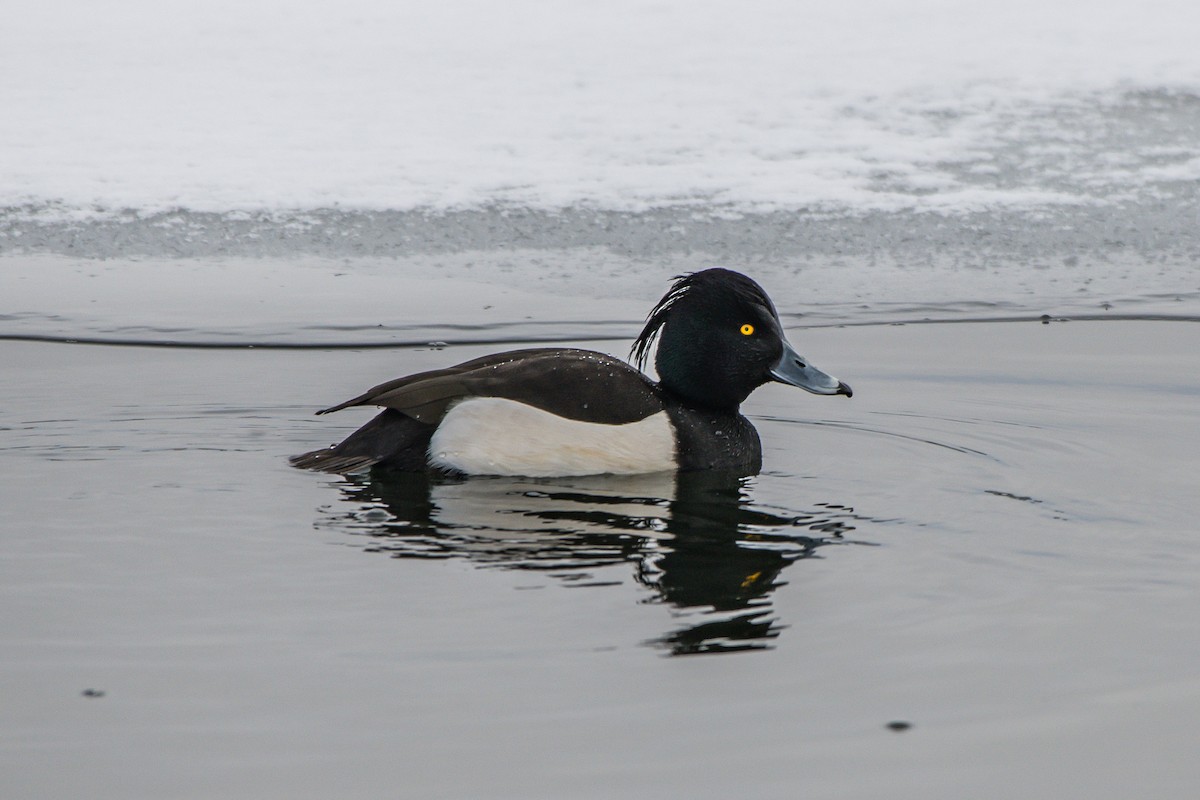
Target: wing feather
[(577, 384)]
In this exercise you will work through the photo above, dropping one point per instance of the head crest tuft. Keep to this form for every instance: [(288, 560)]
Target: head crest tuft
[(728, 283)]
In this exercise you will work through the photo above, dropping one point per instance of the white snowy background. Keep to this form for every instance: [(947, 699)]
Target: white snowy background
[(240, 105)]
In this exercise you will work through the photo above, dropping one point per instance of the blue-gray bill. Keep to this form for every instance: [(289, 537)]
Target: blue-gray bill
[(793, 368)]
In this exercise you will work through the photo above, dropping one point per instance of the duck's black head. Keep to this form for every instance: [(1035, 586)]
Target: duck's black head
[(719, 339)]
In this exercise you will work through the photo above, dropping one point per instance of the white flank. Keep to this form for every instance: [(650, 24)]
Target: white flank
[(494, 436)]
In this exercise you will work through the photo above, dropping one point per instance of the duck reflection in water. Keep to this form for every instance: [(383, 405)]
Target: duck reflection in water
[(693, 538)]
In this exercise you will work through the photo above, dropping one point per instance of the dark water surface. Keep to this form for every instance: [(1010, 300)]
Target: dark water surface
[(994, 541)]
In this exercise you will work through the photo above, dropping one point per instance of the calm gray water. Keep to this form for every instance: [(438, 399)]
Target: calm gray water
[(992, 542)]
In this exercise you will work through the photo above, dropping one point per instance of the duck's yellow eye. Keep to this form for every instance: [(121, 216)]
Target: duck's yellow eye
[(747, 329)]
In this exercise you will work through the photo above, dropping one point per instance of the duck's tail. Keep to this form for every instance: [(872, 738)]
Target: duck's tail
[(391, 438), (328, 460)]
